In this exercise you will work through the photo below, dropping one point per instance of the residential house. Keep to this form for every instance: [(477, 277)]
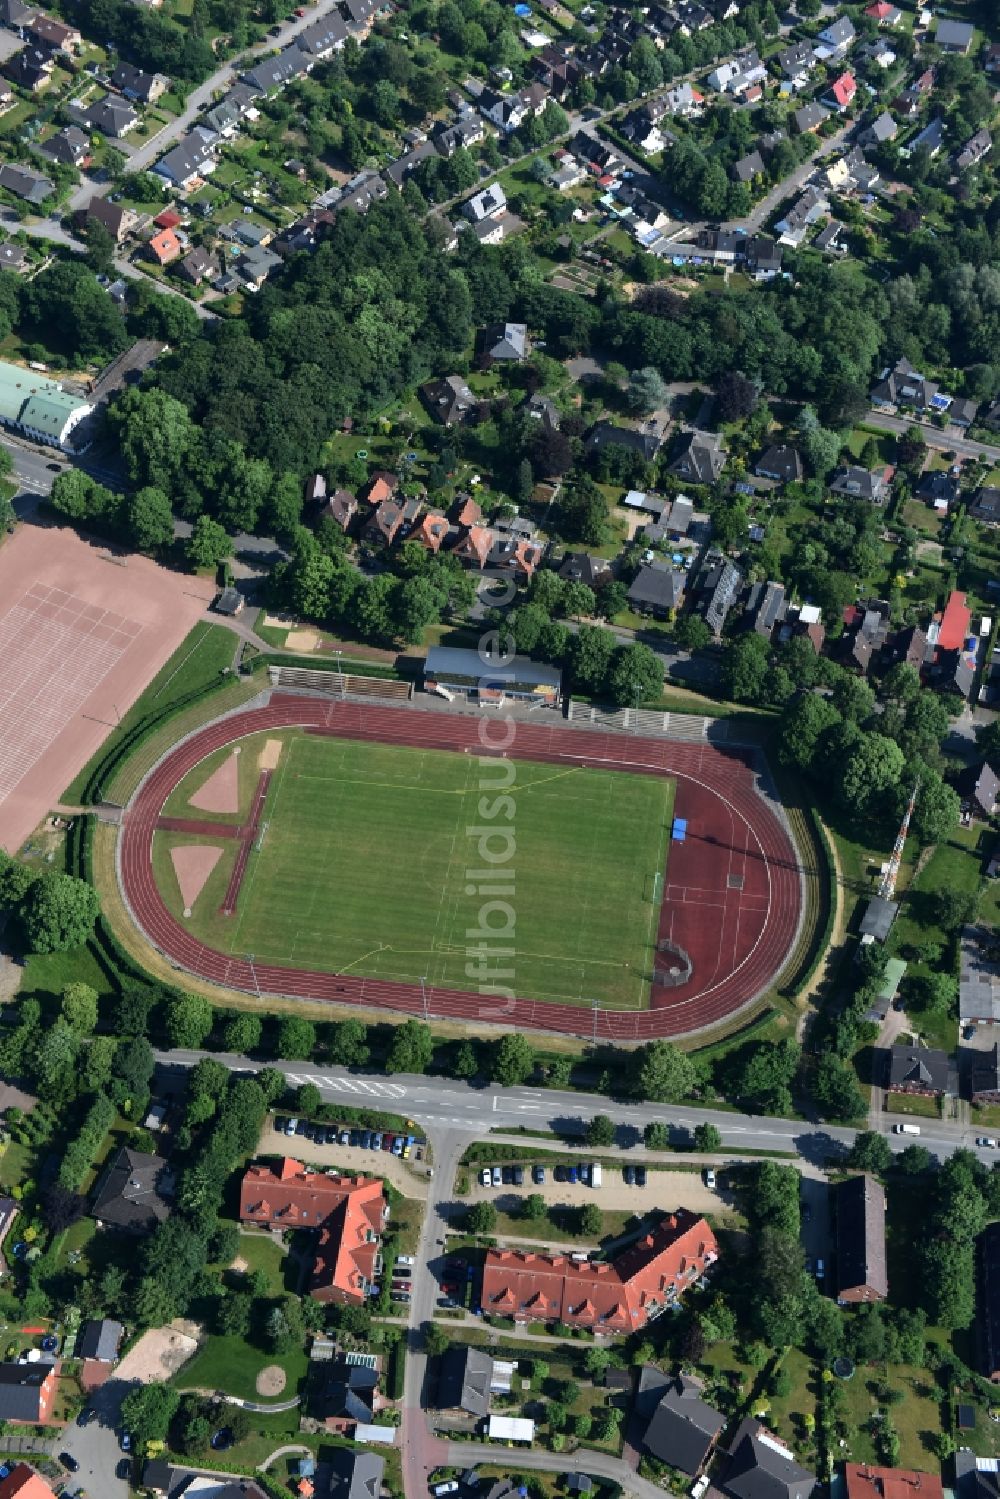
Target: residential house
[(763, 256), (807, 209), (876, 53), (506, 111), (399, 170), (22, 1482), (954, 36), (342, 1395), (904, 386), (30, 69), (274, 72), (862, 1481), (836, 40), (841, 93), (748, 167), (646, 440), (432, 532), (991, 61), (341, 508), (475, 546), (885, 13), (963, 411), (658, 589), (796, 63), (39, 407), (762, 1467), (167, 1481), (118, 220), (986, 790), (882, 130), (988, 1300), (255, 265), (348, 1213), (809, 118), (465, 511), (449, 400), (930, 139), (49, 32), (861, 1263), (190, 161), (909, 647), (133, 83), (165, 247), (984, 1077), (718, 587), (135, 1194), (28, 1393), (468, 130), (683, 99), (15, 14), (488, 204), (506, 342), (975, 149), (106, 113), (324, 37), (354, 1473), (855, 482), (683, 1428), (701, 458), (920, 1070), (69, 147), (765, 607), (380, 487), (615, 1296), (938, 488), (197, 266), (465, 1380), (581, 567), (985, 505), (780, 461), (391, 520), (26, 183), (100, 1340)]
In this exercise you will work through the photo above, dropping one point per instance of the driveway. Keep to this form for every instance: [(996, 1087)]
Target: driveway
[(815, 1199), (96, 1446)]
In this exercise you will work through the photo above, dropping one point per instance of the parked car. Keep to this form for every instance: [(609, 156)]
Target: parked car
[(401, 1296), (628, 1172), (820, 1270), (559, 1173), (709, 1177), (377, 1140), (124, 1468), (355, 1137), (987, 1141), (538, 1175), (438, 1489), (572, 1175), (344, 1137), (405, 1259), (126, 1441), (398, 1145), (497, 1176), (69, 1461), (640, 1176), (519, 1176), (486, 1177), (291, 1125), (583, 1171), (507, 1173), (388, 1141), (280, 1125), (86, 1416)]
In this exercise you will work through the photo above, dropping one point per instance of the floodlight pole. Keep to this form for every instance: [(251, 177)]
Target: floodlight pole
[(595, 1007), (253, 973), (340, 674), (423, 993)]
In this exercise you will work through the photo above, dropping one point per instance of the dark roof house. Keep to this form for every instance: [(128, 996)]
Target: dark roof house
[(100, 1340), (780, 461), (683, 1428), (701, 458), (765, 607), (135, 1193), (657, 589), (920, 1069), (717, 592), (449, 400), (355, 1474), (861, 1265), (762, 1467), (465, 1380)]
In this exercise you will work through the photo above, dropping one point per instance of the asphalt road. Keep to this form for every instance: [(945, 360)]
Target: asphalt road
[(447, 1107), (97, 1447), (596, 1464), (945, 442)]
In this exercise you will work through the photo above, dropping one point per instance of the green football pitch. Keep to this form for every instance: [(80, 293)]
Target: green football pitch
[(365, 858)]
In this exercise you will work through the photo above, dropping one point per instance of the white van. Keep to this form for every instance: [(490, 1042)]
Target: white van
[(906, 1129), (595, 1174)]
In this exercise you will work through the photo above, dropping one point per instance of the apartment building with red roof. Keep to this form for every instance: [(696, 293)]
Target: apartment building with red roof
[(349, 1214), (616, 1296), (955, 623)]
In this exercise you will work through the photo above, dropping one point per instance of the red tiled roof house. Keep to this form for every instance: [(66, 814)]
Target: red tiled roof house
[(349, 1213), (619, 1296)]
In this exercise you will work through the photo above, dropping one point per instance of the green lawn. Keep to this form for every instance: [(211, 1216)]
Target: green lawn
[(232, 1365), (914, 1104), (368, 866), (197, 663)]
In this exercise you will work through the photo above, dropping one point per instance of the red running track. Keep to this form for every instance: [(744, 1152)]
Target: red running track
[(247, 835), (732, 898)]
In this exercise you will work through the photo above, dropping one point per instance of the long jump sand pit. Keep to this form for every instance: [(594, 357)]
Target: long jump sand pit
[(82, 631)]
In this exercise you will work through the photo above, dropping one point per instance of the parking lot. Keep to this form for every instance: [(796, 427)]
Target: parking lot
[(409, 1175), (662, 1189)]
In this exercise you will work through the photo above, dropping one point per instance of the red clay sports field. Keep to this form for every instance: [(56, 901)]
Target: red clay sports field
[(732, 899)]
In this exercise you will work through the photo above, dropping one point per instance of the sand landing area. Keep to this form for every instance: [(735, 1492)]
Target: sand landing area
[(221, 792), (159, 1353), (193, 863), (269, 755), (84, 628)]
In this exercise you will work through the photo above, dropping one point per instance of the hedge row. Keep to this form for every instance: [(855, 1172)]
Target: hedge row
[(828, 876), (397, 1370), (82, 1149)]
